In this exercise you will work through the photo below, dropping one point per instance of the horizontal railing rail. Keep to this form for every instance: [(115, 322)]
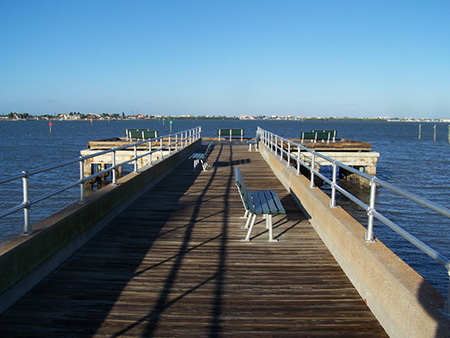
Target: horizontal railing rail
[(166, 144), (291, 152)]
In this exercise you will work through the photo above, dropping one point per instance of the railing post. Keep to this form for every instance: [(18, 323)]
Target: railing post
[(447, 301), (313, 165), (298, 160), (333, 186), (289, 155), (176, 142), (373, 190), (113, 172), (81, 179), (161, 154), (135, 159), (281, 149), (150, 152), (26, 202), (170, 145)]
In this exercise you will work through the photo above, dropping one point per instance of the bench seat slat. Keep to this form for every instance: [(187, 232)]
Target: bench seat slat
[(197, 156), (257, 203), (277, 202), (270, 198), (264, 203)]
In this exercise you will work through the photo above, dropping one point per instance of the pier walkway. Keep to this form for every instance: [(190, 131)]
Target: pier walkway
[(174, 265)]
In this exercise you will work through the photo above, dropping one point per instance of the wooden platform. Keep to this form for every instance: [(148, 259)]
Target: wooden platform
[(339, 145), (174, 265)]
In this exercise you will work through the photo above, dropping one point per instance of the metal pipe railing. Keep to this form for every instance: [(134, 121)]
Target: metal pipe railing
[(268, 138), (182, 139)]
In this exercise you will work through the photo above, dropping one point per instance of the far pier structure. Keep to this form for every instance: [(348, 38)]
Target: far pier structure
[(353, 153), (356, 154), (101, 162)]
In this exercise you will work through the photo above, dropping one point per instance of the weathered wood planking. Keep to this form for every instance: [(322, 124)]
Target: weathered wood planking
[(174, 265)]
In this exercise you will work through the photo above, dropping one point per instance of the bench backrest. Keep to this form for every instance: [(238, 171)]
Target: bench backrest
[(230, 132), (308, 135), (320, 135), (208, 149), (142, 134), (150, 134), (326, 134), (332, 132), (245, 194), (134, 129)]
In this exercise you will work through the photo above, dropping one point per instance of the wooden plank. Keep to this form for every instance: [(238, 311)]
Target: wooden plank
[(173, 264), (274, 198)]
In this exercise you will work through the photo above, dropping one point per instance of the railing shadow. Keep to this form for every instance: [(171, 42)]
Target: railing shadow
[(93, 280)]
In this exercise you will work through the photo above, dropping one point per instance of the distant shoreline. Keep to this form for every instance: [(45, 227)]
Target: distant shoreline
[(278, 118)]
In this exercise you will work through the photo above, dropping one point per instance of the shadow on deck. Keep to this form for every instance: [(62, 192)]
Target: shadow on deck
[(173, 264)]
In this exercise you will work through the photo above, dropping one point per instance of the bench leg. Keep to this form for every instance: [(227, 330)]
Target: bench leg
[(267, 223), (252, 223), (270, 226), (249, 218), (205, 165), (245, 215)]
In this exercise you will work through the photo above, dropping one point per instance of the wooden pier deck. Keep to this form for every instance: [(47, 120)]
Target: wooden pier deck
[(174, 265)]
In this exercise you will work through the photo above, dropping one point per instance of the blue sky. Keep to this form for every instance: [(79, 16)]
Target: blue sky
[(304, 58)]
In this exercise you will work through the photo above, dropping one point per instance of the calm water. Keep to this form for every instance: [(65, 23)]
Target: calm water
[(419, 167)]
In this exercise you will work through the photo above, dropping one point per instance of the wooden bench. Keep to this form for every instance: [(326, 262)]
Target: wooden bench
[(261, 202), (201, 157), (253, 142), (231, 133)]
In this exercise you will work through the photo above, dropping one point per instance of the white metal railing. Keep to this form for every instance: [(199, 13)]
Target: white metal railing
[(178, 141), (283, 147)]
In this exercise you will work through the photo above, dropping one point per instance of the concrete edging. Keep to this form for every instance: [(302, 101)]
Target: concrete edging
[(29, 259), (402, 301)]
